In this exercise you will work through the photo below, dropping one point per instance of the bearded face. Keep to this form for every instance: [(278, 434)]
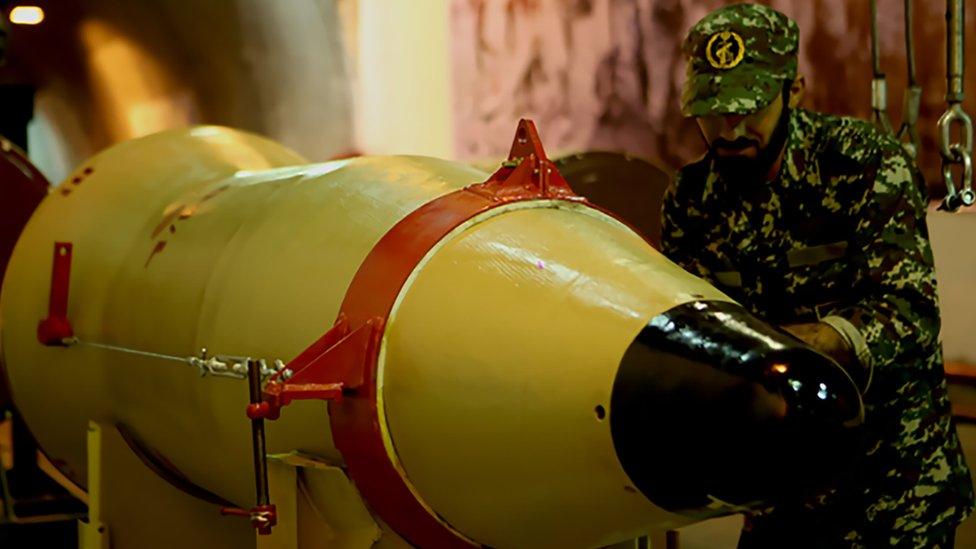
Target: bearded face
[(745, 147)]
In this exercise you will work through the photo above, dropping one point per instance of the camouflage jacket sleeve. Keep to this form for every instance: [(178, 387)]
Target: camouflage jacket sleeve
[(894, 305), (678, 234)]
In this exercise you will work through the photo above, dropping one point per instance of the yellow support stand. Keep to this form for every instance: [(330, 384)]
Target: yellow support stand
[(318, 506), (130, 507)]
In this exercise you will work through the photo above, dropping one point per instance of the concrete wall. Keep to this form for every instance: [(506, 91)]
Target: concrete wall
[(953, 237), (607, 74)]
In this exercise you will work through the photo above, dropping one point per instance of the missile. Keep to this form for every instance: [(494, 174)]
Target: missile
[(488, 359)]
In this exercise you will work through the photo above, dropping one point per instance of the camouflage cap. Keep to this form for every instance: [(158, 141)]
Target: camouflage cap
[(738, 58)]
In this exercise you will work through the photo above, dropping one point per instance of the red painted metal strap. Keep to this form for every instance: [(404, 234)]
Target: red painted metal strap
[(342, 365), (56, 328)]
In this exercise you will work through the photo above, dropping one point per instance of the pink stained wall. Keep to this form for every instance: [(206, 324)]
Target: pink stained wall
[(607, 74)]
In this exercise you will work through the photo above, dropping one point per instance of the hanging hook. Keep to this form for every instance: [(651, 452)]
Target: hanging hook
[(955, 152), (966, 196), (954, 114)]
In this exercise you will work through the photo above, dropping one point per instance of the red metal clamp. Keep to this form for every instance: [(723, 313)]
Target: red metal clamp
[(527, 174), (328, 369)]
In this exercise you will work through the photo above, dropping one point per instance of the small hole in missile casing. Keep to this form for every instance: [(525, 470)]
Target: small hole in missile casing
[(601, 412)]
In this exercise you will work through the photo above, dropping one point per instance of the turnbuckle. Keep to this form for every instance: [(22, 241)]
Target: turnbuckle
[(263, 515)]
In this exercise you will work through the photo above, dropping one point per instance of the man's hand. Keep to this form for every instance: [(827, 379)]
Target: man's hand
[(827, 340)]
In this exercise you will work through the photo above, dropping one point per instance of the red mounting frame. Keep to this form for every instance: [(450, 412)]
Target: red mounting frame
[(341, 366)]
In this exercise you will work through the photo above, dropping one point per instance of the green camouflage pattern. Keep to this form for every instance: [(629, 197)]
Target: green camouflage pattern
[(841, 231), (770, 41)]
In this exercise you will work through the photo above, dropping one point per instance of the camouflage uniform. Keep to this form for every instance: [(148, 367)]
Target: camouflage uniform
[(839, 236)]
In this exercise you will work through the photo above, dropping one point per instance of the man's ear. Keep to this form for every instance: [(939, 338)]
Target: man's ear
[(797, 90)]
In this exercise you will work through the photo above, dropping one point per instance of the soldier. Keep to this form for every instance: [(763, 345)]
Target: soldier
[(817, 223)]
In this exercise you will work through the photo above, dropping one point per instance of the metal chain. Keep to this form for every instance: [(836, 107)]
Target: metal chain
[(956, 153), (234, 367)]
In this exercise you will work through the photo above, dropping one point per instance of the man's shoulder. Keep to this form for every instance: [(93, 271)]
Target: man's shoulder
[(863, 162), (850, 142)]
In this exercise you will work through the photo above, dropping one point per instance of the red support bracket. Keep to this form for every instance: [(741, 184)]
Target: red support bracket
[(527, 142), (329, 368), (528, 173), (56, 328)]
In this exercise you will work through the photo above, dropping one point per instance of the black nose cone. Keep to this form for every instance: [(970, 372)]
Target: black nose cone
[(715, 411)]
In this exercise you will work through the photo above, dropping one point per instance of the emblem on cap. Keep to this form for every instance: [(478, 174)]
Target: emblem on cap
[(725, 50)]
